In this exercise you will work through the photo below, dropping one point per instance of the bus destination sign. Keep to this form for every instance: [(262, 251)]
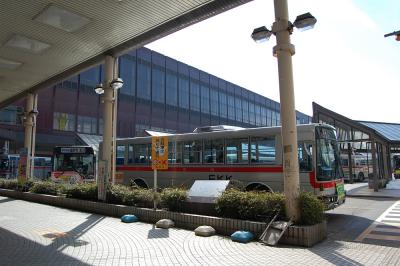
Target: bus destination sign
[(73, 150)]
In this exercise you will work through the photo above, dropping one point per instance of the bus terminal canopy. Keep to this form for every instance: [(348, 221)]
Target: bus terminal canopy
[(43, 42)]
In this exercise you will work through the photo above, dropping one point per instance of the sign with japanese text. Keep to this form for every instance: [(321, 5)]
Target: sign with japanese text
[(159, 152)]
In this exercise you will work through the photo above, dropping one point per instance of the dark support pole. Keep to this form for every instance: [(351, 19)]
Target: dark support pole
[(350, 164), (374, 165)]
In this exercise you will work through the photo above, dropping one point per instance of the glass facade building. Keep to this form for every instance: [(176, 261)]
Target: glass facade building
[(159, 93)]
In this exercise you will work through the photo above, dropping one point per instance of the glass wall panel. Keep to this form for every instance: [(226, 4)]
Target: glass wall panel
[(63, 121), (158, 84), (231, 107), (205, 99), (245, 111), (214, 102), (238, 109), (223, 105), (194, 95), (183, 92), (252, 114), (143, 80), (172, 88), (127, 72), (237, 151), (87, 124)]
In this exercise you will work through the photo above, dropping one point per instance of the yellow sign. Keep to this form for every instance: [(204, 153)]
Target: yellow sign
[(159, 152)]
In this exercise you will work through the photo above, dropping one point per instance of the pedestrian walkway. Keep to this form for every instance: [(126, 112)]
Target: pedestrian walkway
[(35, 234), (362, 190), (386, 227)]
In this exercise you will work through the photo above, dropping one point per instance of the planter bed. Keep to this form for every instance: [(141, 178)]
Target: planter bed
[(306, 236)]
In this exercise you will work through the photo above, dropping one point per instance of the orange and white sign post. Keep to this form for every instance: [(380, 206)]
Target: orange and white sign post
[(159, 159)]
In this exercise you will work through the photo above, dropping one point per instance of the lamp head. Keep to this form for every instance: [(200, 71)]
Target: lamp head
[(99, 89), (117, 83), (261, 34), (305, 22)]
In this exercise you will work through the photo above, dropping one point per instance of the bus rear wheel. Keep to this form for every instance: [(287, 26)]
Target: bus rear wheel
[(258, 187), (139, 182)]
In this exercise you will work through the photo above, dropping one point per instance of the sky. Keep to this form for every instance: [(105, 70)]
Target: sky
[(344, 63)]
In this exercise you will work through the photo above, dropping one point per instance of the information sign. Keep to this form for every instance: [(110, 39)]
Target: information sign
[(159, 153)]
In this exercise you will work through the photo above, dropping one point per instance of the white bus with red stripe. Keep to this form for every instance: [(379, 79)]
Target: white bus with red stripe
[(250, 157)]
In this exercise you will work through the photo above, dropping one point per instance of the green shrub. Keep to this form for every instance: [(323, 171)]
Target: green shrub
[(311, 208), (251, 205), (173, 198), (9, 184), (229, 202), (120, 194), (116, 194), (139, 196), (86, 191), (47, 187)]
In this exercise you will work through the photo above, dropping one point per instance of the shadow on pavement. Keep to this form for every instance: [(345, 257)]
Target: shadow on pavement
[(328, 251), (62, 240), (6, 200), (346, 227), (17, 250), (157, 233)]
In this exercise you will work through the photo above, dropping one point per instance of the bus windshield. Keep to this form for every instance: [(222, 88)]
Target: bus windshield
[(328, 159), (80, 163)]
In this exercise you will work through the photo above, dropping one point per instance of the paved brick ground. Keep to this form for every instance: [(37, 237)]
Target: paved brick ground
[(34, 234)]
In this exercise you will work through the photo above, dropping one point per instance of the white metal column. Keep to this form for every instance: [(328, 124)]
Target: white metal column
[(30, 133)]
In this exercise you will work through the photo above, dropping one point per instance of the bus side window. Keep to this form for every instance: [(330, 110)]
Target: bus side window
[(237, 151), (262, 150), (305, 156), (174, 152), (130, 153), (120, 155)]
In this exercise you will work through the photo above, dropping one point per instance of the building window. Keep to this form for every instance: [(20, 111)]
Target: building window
[(183, 92), (143, 80), (194, 96), (158, 84), (63, 121), (245, 111), (252, 114), (87, 124), (172, 89), (223, 105), (231, 107), (89, 79), (205, 99), (238, 109), (214, 102), (127, 72), (9, 115)]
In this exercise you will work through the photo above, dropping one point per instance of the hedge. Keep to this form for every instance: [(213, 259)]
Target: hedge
[(262, 206), (251, 205), (173, 198)]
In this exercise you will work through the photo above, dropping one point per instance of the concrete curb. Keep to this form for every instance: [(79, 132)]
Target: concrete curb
[(306, 236)]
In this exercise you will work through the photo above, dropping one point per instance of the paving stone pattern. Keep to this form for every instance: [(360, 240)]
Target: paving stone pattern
[(35, 234)]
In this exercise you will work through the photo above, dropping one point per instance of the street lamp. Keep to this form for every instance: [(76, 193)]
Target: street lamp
[(282, 28), (115, 85), (397, 33)]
